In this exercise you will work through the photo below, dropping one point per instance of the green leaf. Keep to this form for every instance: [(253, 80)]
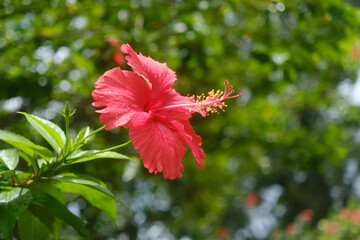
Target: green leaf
[(44, 165), (93, 196), (47, 218), (31, 160), (50, 221), (41, 163), (10, 158), (80, 156), (82, 135), (5, 186), (51, 132), (31, 228), (12, 203), (69, 145), (6, 172), (3, 169), (17, 141), (60, 211), (49, 188), (84, 180), (25, 145), (10, 173)]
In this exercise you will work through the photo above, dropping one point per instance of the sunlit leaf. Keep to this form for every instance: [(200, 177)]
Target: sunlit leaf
[(93, 196), (51, 189), (82, 134), (84, 156), (9, 157), (52, 133), (84, 180), (25, 145), (70, 144)]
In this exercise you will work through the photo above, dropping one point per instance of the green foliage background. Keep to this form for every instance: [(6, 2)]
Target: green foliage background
[(292, 138)]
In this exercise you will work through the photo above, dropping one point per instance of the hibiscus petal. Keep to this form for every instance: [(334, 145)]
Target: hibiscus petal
[(157, 74), (192, 140), (172, 98), (123, 94), (161, 147)]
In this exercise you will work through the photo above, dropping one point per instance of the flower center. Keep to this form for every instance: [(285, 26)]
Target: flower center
[(206, 104)]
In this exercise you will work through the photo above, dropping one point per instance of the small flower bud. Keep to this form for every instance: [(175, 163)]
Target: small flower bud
[(67, 111)]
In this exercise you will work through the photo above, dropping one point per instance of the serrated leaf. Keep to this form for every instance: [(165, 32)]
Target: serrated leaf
[(51, 132), (12, 203), (60, 211), (31, 228), (47, 218), (10, 158), (84, 156), (25, 145), (93, 196), (84, 180)]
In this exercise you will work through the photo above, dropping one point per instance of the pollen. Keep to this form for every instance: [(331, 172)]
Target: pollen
[(213, 101)]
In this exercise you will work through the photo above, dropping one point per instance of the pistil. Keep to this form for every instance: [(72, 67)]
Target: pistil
[(206, 104)]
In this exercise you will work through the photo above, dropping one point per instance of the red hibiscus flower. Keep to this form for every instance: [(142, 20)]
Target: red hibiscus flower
[(307, 215), (356, 217), (144, 101), (291, 228), (332, 228), (345, 213), (252, 200)]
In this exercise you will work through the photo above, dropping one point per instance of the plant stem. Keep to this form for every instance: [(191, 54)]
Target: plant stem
[(66, 134), (116, 147), (94, 132)]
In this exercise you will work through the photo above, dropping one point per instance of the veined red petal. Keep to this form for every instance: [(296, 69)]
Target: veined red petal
[(157, 74), (192, 140), (170, 99), (118, 92), (161, 147)]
